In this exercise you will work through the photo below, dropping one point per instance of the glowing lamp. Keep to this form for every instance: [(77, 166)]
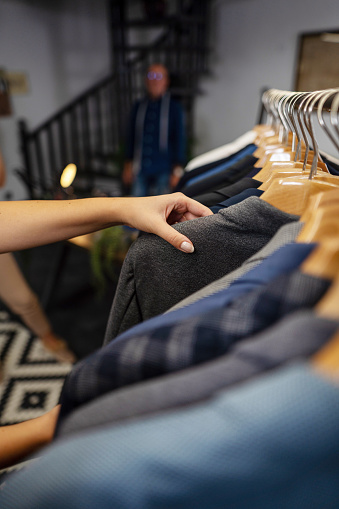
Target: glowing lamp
[(68, 175)]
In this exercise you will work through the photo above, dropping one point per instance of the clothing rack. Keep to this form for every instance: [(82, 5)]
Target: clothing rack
[(218, 382)]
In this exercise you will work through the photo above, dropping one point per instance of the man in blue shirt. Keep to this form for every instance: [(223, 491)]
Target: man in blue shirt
[(156, 144)]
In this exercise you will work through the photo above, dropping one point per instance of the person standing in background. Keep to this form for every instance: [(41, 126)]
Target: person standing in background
[(156, 140)]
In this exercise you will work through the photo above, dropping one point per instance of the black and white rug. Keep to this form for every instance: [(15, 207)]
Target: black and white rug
[(31, 377)]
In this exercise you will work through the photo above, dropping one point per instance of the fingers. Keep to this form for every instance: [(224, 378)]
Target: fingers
[(156, 214), (188, 216), (175, 238), (193, 208), (181, 208)]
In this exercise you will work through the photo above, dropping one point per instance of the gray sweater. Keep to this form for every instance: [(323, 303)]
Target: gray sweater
[(155, 276)]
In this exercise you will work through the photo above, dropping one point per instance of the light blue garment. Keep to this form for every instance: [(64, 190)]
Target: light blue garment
[(271, 444)]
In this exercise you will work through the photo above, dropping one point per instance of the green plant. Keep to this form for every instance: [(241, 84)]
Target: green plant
[(107, 254)]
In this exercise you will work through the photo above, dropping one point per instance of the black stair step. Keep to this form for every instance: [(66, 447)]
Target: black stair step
[(143, 47), (163, 21)]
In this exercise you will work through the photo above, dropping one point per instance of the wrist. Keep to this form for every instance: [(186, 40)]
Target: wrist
[(122, 211), (48, 423)]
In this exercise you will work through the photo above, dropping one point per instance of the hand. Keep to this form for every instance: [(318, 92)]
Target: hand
[(58, 347), (155, 214), (18, 441)]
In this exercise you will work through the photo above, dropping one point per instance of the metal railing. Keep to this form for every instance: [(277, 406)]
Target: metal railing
[(90, 130)]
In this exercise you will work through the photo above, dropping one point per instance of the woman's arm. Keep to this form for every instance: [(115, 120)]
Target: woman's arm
[(26, 224), (21, 440)]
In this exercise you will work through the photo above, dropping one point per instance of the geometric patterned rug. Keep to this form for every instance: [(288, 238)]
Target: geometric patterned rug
[(32, 378), (31, 381)]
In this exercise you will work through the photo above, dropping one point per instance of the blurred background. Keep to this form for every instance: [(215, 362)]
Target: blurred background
[(221, 53)]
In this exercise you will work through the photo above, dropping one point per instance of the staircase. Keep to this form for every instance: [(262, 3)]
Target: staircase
[(90, 130)]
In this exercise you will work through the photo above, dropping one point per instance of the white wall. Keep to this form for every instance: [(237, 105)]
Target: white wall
[(63, 46), (255, 45)]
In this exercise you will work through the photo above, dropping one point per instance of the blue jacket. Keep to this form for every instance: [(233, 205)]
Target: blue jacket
[(156, 139)]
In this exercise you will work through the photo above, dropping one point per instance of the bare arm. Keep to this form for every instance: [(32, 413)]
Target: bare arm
[(20, 440), (26, 224)]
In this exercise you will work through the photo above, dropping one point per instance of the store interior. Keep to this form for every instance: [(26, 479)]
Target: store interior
[(178, 361)]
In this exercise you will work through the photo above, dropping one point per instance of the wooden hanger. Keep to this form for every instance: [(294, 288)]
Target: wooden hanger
[(291, 194), (312, 206), (326, 360), (322, 222), (264, 134), (272, 100), (324, 260), (269, 165), (287, 166), (328, 199), (312, 212), (263, 153), (269, 130), (328, 305), (272, 147), (277, 154), (303, 150), (320, 176)]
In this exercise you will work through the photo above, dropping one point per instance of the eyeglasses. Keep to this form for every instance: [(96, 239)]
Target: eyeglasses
[(151, 75)]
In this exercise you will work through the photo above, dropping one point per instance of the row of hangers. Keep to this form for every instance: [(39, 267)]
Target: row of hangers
[(296, 180)]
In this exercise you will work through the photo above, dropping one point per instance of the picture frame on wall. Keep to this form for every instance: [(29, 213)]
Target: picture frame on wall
[(5, 99), (317, 65)]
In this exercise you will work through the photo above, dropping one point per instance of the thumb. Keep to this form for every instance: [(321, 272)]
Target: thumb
[(175, 238)]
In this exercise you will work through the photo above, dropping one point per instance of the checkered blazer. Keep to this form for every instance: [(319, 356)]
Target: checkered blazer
[(188, 342)]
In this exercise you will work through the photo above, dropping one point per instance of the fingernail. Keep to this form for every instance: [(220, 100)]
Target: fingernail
[(187, 247)]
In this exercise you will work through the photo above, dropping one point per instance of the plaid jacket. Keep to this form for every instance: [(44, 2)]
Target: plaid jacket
[(188, 342)]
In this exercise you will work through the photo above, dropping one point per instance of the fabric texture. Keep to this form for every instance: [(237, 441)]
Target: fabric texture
[(222, 164), (189, 342), (222, 176), (200, 301), (236, 199), (273, 443), (222, 152), (232, 235), (253, 172), (222, 193), (286, 234), (296, 336), (229, 164)]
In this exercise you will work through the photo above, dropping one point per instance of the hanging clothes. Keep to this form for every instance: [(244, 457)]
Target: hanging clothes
[(155, 276), (231, 388)]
